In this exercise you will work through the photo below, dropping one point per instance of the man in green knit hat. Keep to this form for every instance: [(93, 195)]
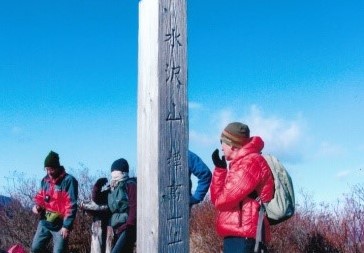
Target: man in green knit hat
[(56, 205)]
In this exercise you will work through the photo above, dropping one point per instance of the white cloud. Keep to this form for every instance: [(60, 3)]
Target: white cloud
[(343, 174), (281, 133), (18, 134), (283, 137), (223, 118), (327, 149), (194, 105), (202, 138)]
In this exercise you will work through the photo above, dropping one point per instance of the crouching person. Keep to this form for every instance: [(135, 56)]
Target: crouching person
[(98, 209), (122, 202), (56, 205)]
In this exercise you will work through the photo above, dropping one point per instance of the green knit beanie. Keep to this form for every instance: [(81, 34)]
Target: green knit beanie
[(52, 160), (235, 134)]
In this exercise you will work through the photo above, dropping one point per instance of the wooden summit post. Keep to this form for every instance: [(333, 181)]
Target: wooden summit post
[(163, 183)]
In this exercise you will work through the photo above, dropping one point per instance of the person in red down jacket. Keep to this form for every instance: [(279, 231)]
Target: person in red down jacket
[(235, 188)]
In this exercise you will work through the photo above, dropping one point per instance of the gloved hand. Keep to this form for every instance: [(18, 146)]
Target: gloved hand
[(37, 209), (219, 162), (100, 182)]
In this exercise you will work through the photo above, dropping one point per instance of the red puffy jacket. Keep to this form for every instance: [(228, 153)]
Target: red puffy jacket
[(248, 172)]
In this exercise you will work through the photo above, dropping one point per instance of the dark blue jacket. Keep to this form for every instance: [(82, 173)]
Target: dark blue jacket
[(200, 170)]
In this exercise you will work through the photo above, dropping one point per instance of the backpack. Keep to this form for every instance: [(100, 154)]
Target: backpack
[(282, 206), (118, 200)]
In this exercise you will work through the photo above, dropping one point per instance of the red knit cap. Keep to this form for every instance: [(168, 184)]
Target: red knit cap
[(235, 134)]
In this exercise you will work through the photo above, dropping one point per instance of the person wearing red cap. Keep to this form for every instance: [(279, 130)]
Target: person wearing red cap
[(236, 188)]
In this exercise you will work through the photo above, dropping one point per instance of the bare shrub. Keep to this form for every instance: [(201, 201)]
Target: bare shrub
[(16, 219), (334, 229), (314, 228), (352, 220), (318, 243)]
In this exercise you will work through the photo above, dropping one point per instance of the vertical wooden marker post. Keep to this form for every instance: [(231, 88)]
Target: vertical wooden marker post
[(163, 183)]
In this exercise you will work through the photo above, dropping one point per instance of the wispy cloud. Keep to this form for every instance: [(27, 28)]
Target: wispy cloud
[(201, 138), (283, 137), (223, 117), (194, 105), (327, 149), (343, 174), (18, 134)]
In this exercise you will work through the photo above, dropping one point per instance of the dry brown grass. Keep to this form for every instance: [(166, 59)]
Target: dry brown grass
[(323, 229), (203, 237)]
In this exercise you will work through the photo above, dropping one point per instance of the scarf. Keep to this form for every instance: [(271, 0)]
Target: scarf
[(116, 177)]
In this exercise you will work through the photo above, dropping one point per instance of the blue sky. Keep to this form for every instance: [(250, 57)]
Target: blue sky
[(292, 70)]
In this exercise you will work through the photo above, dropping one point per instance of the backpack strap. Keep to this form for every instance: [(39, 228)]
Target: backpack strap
[(259, 233)]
